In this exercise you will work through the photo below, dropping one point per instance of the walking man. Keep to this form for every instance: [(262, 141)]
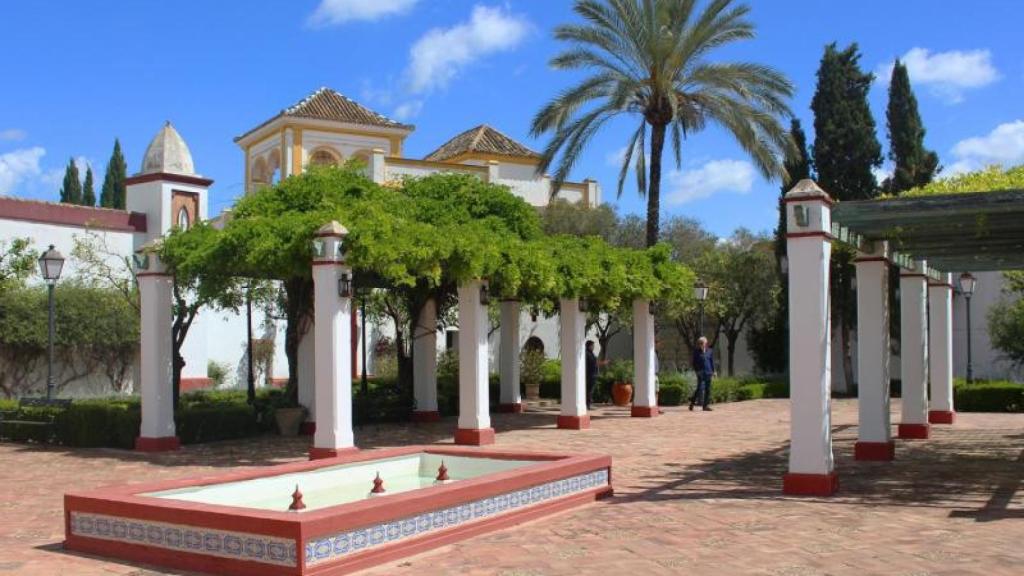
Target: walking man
[(590, 371), (704, 368)]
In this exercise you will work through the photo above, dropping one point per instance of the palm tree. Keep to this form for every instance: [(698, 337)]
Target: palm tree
[(649, 58)]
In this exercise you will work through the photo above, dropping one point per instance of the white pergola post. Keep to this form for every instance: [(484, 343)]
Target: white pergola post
[(572, 336), (940, 351), (305, 379), (332, 333), (914, 352), (508, 358), (645, 401), (874, 437), (474, 411), (424, 364), (809, 248), (156, 433)]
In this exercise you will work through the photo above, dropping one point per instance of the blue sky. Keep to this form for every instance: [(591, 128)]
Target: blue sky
[(81, 73)]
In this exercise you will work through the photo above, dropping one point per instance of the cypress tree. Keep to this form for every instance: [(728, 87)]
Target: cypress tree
[(845, 151), (71, 191), (113, 192), (914, 165), (88, 191)]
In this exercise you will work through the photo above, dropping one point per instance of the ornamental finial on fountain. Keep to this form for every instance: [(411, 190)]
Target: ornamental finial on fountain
[(442, 473), (297, 503), (378, 485)]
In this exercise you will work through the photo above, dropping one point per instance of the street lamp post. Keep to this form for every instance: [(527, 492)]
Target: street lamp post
[(967, 285), (50, 265), (700, 292)]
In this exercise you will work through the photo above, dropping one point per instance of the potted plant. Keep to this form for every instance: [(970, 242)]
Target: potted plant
[(531, 372), (289, 415), (620, 372)]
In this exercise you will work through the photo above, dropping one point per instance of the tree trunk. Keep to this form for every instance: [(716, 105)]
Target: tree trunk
[(298, 305), (731, 338), (654, 183)]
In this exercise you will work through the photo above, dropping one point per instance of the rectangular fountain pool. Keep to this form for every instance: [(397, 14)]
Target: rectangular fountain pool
[(240, 522)]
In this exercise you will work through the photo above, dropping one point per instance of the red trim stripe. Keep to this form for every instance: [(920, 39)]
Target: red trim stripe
[(71, 215)]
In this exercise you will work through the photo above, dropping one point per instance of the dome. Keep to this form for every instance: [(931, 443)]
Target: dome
[(168, 153)]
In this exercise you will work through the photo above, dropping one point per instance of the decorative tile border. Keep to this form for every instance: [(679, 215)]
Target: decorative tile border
[(338, 546), (184, 538)]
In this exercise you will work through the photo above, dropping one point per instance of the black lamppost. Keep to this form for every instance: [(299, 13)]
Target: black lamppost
[(700, 292), (967, 284), (50, 265)]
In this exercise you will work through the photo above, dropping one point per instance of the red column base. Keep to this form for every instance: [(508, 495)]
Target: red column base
[(810, 484), (644, 411), (322, 453), (474, 436), (307, 428), (510, 408), (426, 416), (164, 444), (941, 417), (874, 451), (574, 422), (913, 431)]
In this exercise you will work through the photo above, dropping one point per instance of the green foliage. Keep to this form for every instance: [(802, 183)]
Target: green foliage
[(914, 164), (17, 261), (988, 396), (71, 189), (990, 179), (112, 195), (88, 189), (1006, 319), (217, 372), (576, 219)]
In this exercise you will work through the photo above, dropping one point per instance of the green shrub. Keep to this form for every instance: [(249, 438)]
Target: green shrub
[(218, 372), (990, 396), (199, 423), (551, 380), (104, 422), (671, 395)]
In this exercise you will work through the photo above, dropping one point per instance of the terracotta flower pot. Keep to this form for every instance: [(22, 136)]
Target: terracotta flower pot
[(622, 393), (532, 391), (289, 420)]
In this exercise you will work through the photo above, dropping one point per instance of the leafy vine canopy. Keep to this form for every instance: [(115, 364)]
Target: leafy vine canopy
[(438, 230)]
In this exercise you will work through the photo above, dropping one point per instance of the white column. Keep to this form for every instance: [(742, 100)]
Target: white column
[(809, 225), (332, 333), (424, 364), (474, 412), (305, 379), (377, 168), (940, 351), (645, 402), (492, 170), (508, 358), (573, 324), (914, 352), (156, 379), (874, 438)]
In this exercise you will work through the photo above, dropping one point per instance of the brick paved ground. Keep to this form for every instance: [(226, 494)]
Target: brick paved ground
[(696, 493)]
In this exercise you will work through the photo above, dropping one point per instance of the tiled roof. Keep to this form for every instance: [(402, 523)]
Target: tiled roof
[(327, 104), (483, 140), (71, 215)]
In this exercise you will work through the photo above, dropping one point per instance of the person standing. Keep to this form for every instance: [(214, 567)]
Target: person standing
[(590, 371), (704, 368)]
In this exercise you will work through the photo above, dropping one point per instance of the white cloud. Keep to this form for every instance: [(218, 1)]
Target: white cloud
[(1003, 145), (333, 12), (19, 165), (615, 157), (440, 54), (407, 110), (13, 134), (945, 74), (711, 178)]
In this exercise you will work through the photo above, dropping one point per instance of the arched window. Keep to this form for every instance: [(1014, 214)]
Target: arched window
[(183, 219), (323, 157), (259, 174)]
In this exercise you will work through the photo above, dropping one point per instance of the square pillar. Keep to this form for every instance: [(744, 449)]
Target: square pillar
[(914, 352), (874, 437), (508, 358), (332, 345), (940, 351), (156, 433), (808, 241), (424, 364), (645, 401), (572, 335), (474, 412)]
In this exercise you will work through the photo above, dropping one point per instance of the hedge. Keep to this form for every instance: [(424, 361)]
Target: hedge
[(988, 396)]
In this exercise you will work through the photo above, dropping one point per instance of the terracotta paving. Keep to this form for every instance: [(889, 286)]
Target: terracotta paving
[(696, 493)]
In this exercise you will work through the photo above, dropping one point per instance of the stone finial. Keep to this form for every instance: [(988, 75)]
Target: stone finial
[(806, 189), (332, 228), (378, 485), (442, 473), (297, 503)]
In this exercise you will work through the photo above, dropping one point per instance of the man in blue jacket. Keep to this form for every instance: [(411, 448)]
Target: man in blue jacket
[(704, 368)]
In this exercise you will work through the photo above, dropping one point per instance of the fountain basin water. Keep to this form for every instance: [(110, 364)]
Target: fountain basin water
[(239, 522)]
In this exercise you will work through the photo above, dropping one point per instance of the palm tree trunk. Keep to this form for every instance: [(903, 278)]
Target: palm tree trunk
[(654, 183)]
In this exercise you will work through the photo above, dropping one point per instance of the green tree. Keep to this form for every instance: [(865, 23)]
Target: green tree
[(1006, 319), (650, 59), (17, 261), (914, 165), (88, 190), (845, 152), (112, 195), (71, 190)]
